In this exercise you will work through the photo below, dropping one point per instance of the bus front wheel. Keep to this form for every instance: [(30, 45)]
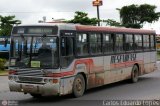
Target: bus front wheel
[(78, 86), (134, 74), (36, 95)]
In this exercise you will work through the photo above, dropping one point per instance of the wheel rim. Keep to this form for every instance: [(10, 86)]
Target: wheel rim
[(135, 74), (79, 85)]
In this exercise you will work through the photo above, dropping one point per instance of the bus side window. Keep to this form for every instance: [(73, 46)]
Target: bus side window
[(146, 44), (108, 43), (82, 44), (119, 43), (129, 42), (152, 42), (66, 51), (138, 42), (95, 43)]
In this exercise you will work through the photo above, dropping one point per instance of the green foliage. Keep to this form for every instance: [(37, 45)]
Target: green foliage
[(6, 24), (130, 25), (112, 22), (82, 18), (2, 63), (135, 16), (158, 55)]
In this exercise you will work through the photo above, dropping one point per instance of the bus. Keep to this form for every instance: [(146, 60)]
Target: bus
[(158, 42), (60, 59), (4, 47)]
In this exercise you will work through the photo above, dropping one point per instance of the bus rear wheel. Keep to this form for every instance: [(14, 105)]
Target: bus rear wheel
[(78, 86), (134, 74)]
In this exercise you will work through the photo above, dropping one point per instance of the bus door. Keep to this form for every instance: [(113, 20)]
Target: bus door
[(66, 59)]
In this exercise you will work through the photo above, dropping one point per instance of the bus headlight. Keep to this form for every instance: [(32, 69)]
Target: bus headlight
[(53, 81), (46, 80), (10, 77), (15, 78)]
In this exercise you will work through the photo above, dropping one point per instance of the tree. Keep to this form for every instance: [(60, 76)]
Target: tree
[(134, 16), (82, 18), (6, 24), (112, 22)]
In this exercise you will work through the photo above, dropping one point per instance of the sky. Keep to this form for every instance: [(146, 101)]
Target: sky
[(31, 11)]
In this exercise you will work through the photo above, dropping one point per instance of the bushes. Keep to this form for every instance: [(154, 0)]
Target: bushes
[(4, 55), (158, 55), (2, 63)]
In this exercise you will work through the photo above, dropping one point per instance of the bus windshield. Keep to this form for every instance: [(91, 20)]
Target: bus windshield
[(34, 52)]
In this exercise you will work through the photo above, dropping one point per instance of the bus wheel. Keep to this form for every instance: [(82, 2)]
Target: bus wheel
[(36, 95), (78, 86), (134, 74)]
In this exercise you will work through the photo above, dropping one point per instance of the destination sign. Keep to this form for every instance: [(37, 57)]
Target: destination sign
[(123, 58)]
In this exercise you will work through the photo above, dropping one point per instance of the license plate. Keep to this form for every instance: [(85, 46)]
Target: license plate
[(29, 87)]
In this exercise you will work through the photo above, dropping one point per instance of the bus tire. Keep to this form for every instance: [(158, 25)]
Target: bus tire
[(134, 74), (36, 95), (78, 86)]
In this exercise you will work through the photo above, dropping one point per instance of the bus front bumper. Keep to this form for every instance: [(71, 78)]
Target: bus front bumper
[(43, 89)]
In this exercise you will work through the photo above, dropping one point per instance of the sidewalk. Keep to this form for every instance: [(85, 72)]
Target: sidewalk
[(4, 84)]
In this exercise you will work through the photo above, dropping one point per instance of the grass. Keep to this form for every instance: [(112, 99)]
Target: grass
[(158, 55), (3, 72)]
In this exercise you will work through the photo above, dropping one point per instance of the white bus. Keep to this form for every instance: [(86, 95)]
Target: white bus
[(60, 59)]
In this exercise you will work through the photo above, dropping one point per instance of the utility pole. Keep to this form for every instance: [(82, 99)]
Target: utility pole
[(97, 3)]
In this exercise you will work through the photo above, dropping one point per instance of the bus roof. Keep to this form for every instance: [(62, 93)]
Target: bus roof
[(114, 29), (64, 26)]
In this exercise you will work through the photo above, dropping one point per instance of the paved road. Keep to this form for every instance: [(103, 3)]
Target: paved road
[(148, 88)]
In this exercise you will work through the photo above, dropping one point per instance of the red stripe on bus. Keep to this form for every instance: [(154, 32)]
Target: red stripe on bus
[(88, 63), (91, 67), (125, 64)]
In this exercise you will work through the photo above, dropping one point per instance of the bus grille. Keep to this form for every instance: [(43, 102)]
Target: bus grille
[(30, 72), (29, 79)]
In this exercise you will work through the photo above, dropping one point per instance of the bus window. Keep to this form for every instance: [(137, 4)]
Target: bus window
[(107, 43), (66, 51), (119, 43), (82, 44), (129, 42), (138, 42), (146, 42), (152, 42), (95, 44)]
